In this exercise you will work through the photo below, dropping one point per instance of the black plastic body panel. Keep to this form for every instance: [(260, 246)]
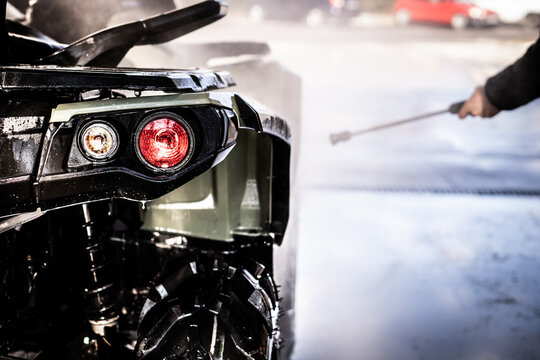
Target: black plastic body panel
[(16, 195), (64, 177), (41, 166)]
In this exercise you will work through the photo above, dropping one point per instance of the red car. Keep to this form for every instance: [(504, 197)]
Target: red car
[(456, 13)]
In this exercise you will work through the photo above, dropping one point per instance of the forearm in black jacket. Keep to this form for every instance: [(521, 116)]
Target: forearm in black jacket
[(518, 84)]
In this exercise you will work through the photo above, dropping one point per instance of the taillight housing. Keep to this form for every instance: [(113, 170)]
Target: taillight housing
[(164, 141), (99, 140)]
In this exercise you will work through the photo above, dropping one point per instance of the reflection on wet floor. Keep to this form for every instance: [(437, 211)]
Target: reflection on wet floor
[(418, 276)]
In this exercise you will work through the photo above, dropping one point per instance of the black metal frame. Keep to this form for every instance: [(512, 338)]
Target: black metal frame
[(109, 46), (78, 79)]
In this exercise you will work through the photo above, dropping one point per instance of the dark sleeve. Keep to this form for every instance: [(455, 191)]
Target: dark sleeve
[(518, 84)]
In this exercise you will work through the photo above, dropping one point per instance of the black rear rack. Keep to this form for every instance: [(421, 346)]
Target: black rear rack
[(44, 77)]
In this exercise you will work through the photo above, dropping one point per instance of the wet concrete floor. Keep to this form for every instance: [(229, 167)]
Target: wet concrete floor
[(399, 257)]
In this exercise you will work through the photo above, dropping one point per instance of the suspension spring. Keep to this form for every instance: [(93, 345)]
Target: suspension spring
[(101, 292)]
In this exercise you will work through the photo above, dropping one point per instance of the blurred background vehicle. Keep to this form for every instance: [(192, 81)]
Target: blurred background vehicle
[(312, 12), (458, 14), (514, 12)]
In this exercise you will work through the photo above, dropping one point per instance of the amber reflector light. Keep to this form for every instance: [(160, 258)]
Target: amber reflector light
[(99, 141)]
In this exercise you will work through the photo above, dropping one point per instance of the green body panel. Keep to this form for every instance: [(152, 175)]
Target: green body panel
[(226, 199), (64, 112), (223, 201)]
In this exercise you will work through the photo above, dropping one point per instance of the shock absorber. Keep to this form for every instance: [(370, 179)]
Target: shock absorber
[(100, 291)]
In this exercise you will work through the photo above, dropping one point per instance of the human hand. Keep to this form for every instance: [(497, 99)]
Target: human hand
[(478, 105)]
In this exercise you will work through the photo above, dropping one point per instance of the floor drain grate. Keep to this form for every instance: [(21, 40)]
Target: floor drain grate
[(435, 190)]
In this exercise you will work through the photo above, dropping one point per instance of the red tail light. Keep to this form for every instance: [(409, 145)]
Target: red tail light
[(337, 3), (165, 141)]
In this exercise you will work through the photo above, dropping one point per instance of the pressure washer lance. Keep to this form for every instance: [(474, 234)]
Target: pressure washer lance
[(346, 135)]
